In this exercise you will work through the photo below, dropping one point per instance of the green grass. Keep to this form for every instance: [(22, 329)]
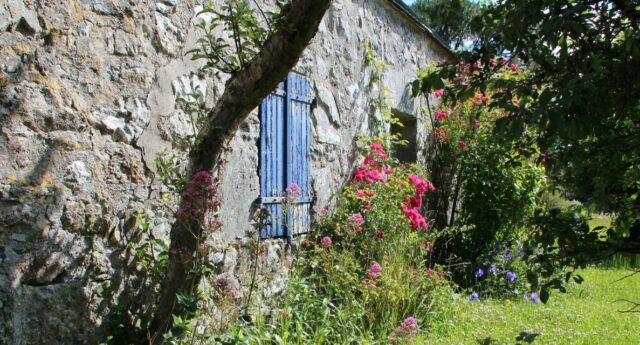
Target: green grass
[(586, 314), (600, 220)]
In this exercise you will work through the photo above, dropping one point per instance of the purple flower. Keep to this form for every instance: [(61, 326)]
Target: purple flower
[(535, 298), (492, 269), (507, 257), (474, 297), (511, 276), (479, 272)]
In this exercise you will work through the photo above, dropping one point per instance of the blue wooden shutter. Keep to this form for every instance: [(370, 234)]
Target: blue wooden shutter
[(284, 155), (298, 133), (272, 148)]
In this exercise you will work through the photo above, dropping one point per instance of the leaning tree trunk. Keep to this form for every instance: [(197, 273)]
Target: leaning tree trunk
[(243, 93)]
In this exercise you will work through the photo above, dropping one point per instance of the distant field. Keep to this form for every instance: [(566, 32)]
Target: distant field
[(587, 314)]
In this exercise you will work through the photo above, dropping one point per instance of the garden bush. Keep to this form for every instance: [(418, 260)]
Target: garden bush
[(362, 276)]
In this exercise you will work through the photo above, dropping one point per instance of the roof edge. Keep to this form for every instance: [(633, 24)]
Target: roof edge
[(406, 10)]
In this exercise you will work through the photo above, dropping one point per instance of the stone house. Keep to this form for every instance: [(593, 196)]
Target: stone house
[(88, 100)]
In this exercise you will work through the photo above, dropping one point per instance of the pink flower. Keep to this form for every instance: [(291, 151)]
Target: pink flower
[(504, 61), (380, 234), (366, 193), (375, 271), (421, 185), (375, 146), (414, 202), (476, 64), (324, 211), (441, 115), (438, 93), (415, 218), (292, 192), (441, 134), (409, 325), (357, 220), (514, 67), (476, 123), (293, 188), (480, 99), (367, 206), (326, 242), (493, 61), (368, 176), (462, 144), (187, 211), (406, 331)]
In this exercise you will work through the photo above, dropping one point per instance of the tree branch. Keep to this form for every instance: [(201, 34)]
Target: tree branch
[(627, 276), (633, 309), (243, 93)]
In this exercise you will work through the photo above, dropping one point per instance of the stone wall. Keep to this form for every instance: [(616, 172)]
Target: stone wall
[(87, 93)]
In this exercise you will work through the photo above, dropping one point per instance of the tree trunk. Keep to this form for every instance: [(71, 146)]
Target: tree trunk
[(243, 93)]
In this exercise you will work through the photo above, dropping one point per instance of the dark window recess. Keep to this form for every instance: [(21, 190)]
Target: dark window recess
[(408, 131)]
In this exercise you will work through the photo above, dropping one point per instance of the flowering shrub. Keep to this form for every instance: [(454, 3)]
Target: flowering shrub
[(486, 188), (382, 205), (367, 259)]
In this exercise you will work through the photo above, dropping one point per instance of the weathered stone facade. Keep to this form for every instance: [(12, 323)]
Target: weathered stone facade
[(87, 92)]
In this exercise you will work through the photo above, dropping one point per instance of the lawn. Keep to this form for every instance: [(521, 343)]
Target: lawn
[(586, 314)]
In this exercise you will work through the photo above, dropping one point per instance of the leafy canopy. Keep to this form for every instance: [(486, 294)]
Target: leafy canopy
[(581, 95), (450, 19)]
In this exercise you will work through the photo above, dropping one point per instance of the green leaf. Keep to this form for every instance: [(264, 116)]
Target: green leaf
[(435, 82), (545, 97), (415, 87), (544, 295), (527, 337)]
